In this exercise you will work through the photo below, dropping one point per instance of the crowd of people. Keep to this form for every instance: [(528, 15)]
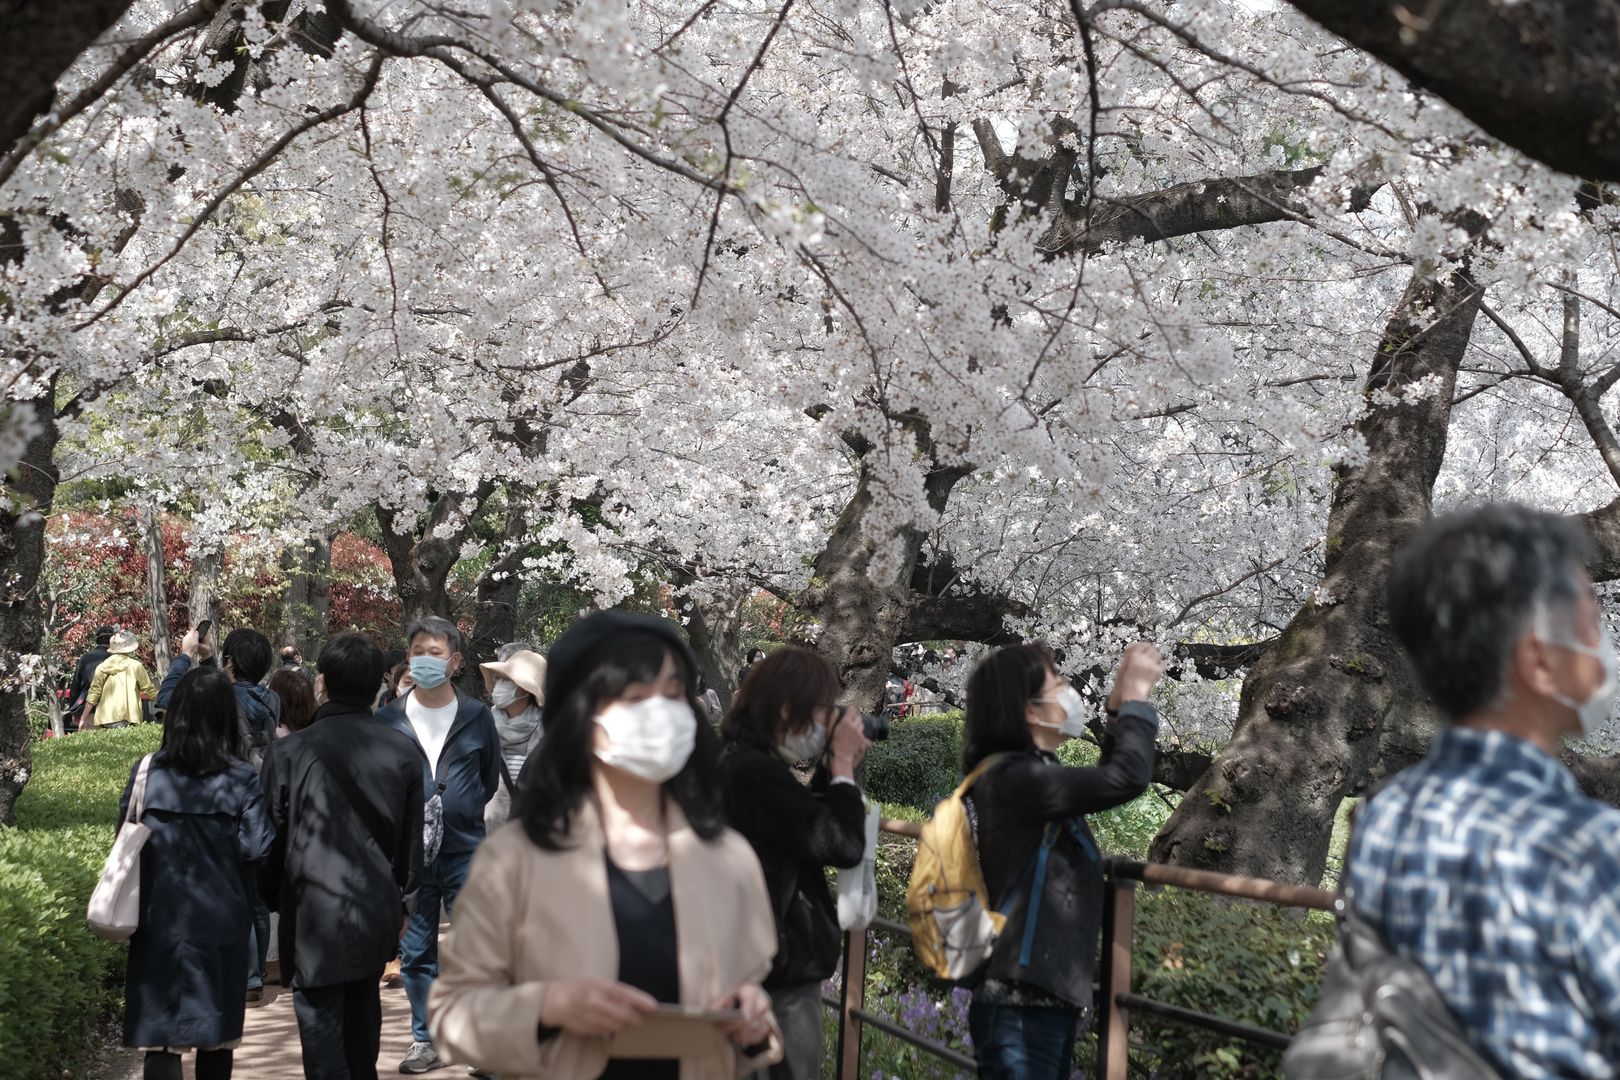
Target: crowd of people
[(638, 893)]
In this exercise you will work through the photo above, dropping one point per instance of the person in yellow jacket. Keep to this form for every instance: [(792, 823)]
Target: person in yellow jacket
[(120, 685)]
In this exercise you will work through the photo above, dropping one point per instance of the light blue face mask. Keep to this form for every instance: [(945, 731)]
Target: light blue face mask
[(429, 671)]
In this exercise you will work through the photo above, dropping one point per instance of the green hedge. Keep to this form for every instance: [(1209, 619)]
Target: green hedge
[(56, 979), (919, 763)]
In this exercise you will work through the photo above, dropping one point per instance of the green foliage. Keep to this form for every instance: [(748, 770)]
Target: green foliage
[(919, 764), (1248, 962), (56, 979)]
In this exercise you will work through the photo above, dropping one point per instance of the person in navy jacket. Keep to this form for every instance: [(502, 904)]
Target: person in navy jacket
[(461, 763)]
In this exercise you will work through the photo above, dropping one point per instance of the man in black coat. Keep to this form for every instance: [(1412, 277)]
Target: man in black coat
[(84, 674), (345, 796)]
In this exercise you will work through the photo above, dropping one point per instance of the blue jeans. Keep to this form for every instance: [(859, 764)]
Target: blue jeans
[(1015, 1042), (442, 880)]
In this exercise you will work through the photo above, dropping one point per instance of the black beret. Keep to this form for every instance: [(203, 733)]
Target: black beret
[(569, 656)]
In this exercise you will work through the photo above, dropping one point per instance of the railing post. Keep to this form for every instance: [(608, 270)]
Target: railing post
[(1113, 1019), (849, 1026)]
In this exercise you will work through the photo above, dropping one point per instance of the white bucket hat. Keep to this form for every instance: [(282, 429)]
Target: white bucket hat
[(123, 642), (526, 669)]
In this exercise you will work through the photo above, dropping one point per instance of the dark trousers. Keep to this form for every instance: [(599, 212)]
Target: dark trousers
[(1016, 1042), (340, 1028), (211, 1065), (258, 944)]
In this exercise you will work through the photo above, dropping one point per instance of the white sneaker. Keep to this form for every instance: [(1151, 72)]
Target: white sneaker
[(421, 1058)]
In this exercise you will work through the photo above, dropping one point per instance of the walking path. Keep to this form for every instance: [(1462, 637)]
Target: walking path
[(270, 1049)]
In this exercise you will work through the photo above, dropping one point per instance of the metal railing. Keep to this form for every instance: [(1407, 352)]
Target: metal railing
[(1115, 1000)]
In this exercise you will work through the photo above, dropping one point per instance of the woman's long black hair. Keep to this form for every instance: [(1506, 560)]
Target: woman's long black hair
[(558, 780), (998, 696), (201, 732)]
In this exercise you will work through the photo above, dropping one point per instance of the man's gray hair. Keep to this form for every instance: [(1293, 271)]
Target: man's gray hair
[(1469, 585), (434, 626)]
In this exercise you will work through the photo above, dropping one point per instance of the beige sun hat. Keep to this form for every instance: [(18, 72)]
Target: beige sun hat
[(123, 642), (527, 669)]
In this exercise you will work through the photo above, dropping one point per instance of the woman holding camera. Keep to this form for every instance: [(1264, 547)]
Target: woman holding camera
[(1033, 839), (787, 711), (615, 889)]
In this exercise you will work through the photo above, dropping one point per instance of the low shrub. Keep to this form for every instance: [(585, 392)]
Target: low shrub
[(1248, 962), (56, 979), (920, 762)]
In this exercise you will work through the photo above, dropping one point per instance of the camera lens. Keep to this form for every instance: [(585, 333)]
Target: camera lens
[(877, 727)]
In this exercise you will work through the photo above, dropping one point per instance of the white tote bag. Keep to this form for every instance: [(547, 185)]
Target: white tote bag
[(857, 886), (115, 906)]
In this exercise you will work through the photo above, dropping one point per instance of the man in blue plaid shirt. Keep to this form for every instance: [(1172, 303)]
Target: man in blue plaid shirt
[(1485, 863)]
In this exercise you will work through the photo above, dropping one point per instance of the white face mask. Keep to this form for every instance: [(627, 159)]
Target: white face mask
[(652, 738), (1074, 712), (506, 691), (803, 745), (1594, 712)]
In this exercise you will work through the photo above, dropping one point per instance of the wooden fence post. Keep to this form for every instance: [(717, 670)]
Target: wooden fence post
[(1113, 1019), (849, 1025)]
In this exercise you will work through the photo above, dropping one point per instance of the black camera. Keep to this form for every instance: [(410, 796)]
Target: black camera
[(877, 727)]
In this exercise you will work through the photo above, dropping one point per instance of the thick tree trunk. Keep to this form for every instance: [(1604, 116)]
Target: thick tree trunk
[(421, 558), (308, 603), (22, 554), (714, 626), (39, 40), (1316, 706), (157, 593), (863, 617), (1541, 75), (495, 602), (206, 567)]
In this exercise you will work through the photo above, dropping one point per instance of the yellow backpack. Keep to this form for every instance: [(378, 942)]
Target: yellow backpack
[(953, 927)]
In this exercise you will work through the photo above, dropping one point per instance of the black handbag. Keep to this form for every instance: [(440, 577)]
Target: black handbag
[(1379, 1017)]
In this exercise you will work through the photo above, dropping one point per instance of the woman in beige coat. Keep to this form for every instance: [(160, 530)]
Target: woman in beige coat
[(616, 897)]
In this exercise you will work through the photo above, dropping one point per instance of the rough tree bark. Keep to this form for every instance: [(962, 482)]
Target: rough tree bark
[(206, 567), (422, 555), (157, 590), (22, 554), (495, 599), (714, 629), (1315, 705), (863, 616), (39, 40), (307, 603), (1540, 75)]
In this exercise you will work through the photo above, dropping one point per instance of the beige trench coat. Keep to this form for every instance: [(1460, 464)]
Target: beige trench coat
[(528, 916)]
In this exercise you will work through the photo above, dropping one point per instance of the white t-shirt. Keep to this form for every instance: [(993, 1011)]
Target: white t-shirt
[(432, 727)]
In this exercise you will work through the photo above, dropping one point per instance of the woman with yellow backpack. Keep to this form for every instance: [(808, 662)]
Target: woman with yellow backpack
[(1008, 890)]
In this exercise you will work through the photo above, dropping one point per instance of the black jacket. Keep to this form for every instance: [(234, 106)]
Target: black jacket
[(469, 766), (83, 675), (797, 832), (1013, 803), (342, 889)]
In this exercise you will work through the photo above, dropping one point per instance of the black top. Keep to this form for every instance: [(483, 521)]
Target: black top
[(644, 919), (797, 832), (1014, 801), (342, 890)]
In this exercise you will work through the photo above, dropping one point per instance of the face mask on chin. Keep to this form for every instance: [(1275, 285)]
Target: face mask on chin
[(652, 738), (1074, 710)]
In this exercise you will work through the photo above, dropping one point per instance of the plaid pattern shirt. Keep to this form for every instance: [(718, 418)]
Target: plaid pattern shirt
[(1487, 865)]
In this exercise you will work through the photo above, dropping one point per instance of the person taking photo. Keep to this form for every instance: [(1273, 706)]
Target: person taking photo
[(1029, 808), (787, 712)]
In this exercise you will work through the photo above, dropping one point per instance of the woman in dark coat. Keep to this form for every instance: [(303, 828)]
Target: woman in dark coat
[(786, 712), (186, 983)]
